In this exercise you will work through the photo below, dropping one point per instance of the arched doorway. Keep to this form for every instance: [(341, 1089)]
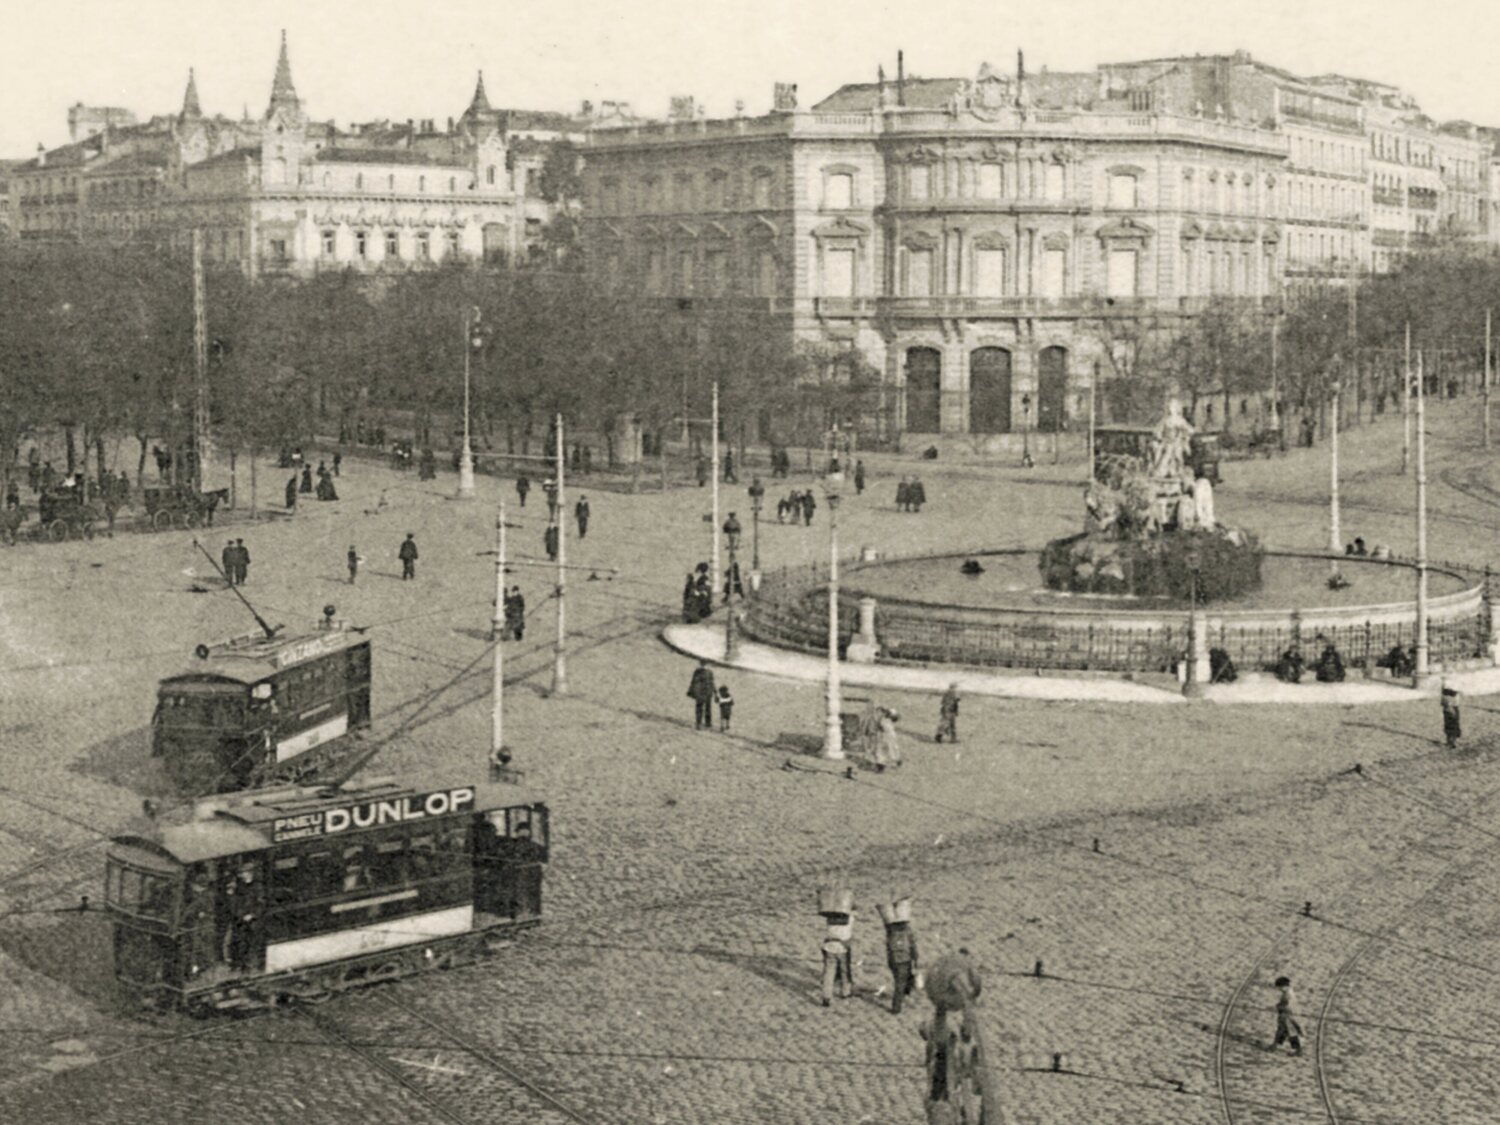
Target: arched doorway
[(924, 369), (1051, 389), (989, 391)]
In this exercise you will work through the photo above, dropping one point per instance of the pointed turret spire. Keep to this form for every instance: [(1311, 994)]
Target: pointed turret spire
[(190, 107), (481, 103), (283, 93)]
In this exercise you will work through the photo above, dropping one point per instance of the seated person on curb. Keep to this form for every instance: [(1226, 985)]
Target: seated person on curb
[(1330, 667), (1289, 667)]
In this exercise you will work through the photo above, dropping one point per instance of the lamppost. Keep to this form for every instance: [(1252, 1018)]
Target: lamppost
[(757, 495), (1335, 538), (473, 341), (1026, 461), (732, 541), (1275, 401), (1194, 686), (833, 738)]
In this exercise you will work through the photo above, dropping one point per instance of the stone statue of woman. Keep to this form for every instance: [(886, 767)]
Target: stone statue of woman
[(1174, 440)]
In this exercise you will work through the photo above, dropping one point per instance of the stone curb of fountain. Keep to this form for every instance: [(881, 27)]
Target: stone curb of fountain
[(706, 642)]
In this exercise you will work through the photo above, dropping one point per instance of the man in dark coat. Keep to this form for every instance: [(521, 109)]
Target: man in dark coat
[(515, 614), (581, 514), (549, 541), (701, 690), (702, 471), (903, 496), (230, 559), (1330, 666), (729, 477), (338, 461), (1452, 724), (523, 486), (407, 553), (291, 493), (948, 714), (242, 559), (918, 494), (809, 505), (859, 477), (353, 561)]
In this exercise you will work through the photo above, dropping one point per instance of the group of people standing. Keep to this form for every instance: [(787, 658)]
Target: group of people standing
[(837, 947), (235, 559), (799, 505), (323, 490), (910, 495), (705, 693)]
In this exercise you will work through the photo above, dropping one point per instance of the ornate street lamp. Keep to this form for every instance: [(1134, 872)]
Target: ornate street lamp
[(757, 496), (1335, 536), (1026, 461), (732, 541), (1194, 685), (833, 738), (473, 341)]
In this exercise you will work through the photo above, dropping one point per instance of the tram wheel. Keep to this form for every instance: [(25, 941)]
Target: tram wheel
[(161, 521), (57, 531)]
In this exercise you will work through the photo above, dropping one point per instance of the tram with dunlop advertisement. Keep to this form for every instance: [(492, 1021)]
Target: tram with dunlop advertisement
[(299, 893), (263, 708)]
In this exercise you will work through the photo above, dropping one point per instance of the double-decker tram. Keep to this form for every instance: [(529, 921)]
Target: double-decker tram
[(299, 892), (264, 707)]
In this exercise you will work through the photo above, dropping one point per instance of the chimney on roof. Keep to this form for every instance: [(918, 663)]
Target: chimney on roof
[(900, 77), (41, 155), (450, 125)]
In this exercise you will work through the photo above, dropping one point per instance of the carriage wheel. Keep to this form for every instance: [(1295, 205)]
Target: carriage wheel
[(57, 531), (161, 521)]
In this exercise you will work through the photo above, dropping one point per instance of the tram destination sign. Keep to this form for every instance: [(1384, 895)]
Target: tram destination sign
[(379, 813)]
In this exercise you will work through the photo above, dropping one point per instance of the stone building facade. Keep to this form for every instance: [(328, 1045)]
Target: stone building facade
[(287, 194), (968, 237)]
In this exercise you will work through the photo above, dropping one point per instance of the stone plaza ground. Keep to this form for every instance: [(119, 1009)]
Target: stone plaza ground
[(1163, 864)]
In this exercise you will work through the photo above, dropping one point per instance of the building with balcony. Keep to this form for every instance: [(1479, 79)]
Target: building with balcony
[(970, 237)]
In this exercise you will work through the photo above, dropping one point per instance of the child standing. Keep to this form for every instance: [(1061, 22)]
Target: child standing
[(726, 707), (353, 564)]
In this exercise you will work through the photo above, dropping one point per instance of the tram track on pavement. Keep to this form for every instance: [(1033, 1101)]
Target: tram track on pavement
[(444, 1083), (1229, 1100)]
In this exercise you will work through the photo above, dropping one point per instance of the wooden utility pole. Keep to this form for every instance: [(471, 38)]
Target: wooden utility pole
[(200, 366), (497, 628)]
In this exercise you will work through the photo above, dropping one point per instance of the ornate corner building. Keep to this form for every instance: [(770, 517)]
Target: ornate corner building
[(286, 194), (980, 240)]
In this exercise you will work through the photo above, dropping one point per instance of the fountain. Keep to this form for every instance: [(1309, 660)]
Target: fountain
[(1150, 529)]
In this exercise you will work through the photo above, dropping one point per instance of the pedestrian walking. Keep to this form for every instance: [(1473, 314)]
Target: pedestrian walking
[(515, 614), (726, 707), (701, 691), (242, 557), (549, 541), (948, 714), (859, 477), (549, 487), (918, 494), (690, 601), (702, 470), (1287, 1027), (837, 946), (809, 505), (729, 477), (1452, 724), (338, 460), (887, 741), (407, 553), (291, 493), (903, 495), (230, 559), (523, 486), (900, 951), (581, 514), (307, 484), (354, 561), (782, 507)]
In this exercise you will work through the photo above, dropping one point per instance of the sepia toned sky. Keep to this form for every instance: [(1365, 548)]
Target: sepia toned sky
[(362, 59)]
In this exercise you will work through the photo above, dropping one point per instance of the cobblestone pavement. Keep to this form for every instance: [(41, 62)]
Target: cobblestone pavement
[(1156, 861)]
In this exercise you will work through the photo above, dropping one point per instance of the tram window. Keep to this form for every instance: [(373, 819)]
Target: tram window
[(138, 893), (286, 880), (357, 873), (424, 858), (389, 866)]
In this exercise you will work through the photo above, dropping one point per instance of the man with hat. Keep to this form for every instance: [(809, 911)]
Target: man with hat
[(900, 950), (838, 947), (1287, 1027), (948, 714), (407, 553), (1452, 727)]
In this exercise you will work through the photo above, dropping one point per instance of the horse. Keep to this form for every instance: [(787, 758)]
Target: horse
[(206, 502)]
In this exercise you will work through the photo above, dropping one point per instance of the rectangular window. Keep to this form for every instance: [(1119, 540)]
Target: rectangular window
[(1121, 190), (990, 181), (453, 244), (278, 249), (1054, 272), (919, 273), (328, 243), (1121, 273), (424, 246), (989, 272), (1185, 282), (918, 181), (838, 273), (717, 264), (765, 274), (360, 242), (685, 271), (1052, 184), (654, 273), (839, 194), (761, 190), (392, 245)]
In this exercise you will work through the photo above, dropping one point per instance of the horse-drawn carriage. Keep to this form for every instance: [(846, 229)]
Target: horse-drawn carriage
[(180, 506), (62, 514)]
